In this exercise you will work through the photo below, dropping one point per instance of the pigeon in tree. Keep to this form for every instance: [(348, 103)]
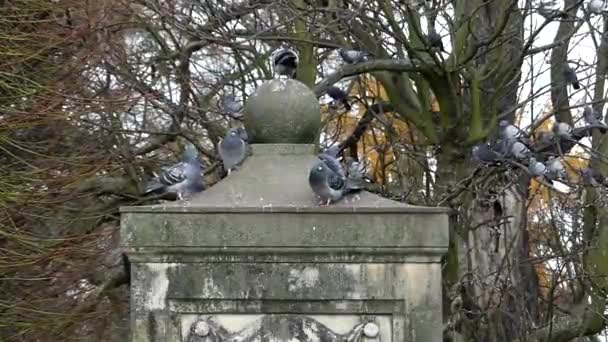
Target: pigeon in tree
[(546, 138), (230, 104), (484, 153), (182, 179), (555, 169), (547, 10), (518, 149), (434, 40), (285, 62), (594, 177), (596, 6), (507, 131), (339, 95), (536, 168), (571, 78), (328, 180), (350, 56), (562, 129), (233, 148), (592, 117)]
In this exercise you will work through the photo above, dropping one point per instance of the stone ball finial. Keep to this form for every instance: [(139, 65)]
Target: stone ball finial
[(282, 111)]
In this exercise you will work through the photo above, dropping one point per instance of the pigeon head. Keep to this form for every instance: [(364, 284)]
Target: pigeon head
[(233, 132), (319, 172), (190, 153), (503, 123)]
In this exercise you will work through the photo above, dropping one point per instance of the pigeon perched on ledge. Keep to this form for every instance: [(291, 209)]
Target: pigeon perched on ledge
[(182, 179), (329, 181), (233, 148)]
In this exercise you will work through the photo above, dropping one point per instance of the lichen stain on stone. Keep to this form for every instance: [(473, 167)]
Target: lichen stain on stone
[(308, 277), (159, 284)]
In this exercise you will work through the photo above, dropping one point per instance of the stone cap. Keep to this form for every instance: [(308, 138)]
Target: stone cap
[(275, 179)]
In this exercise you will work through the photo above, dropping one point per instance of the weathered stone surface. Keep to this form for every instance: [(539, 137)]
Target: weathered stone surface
[(282, 111), (254, 258)]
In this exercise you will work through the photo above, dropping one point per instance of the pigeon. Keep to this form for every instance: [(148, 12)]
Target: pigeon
[(518, 149), (507, 131), (332, 151), (596, 6), (591, 116), (232, 149), (536, 168), (484, 153), (571, 78), (182, 179), (352, 56), (555, 169), (230, 104), (434, 40), (545, 138), (593, 177), (328, 180), (339, 95), (548, 12), (285, 62), (562, 129)]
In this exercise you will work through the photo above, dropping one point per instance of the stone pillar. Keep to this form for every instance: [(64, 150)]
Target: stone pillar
[(253, 258)]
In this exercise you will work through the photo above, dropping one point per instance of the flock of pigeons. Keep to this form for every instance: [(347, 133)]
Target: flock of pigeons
[(330, 180), (543, 163)]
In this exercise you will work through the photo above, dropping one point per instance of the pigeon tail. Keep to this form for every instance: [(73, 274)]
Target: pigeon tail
[(356, 178), (154, 188)]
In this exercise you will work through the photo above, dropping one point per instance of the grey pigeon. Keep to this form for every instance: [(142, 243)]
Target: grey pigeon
[(591, 116), (434, 40), (232, 149), (352, 56), (484, 153), (555, 169), (536, 168), (230, 104), (518, 149), (593, 177), (546, 137), (285, 62), (339, 95), (545, 8), (507, 131), (182, 179), (571, 78), (328, 180), (332, 151), (596, 6), (562, 129)]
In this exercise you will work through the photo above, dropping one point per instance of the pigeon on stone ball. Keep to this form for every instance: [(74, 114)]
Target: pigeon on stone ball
[(182, 179), (285, 62), (328, 180), (434, 40), (350, 56), (339, 95), (596, 6), (571, 78), (233, 148)]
